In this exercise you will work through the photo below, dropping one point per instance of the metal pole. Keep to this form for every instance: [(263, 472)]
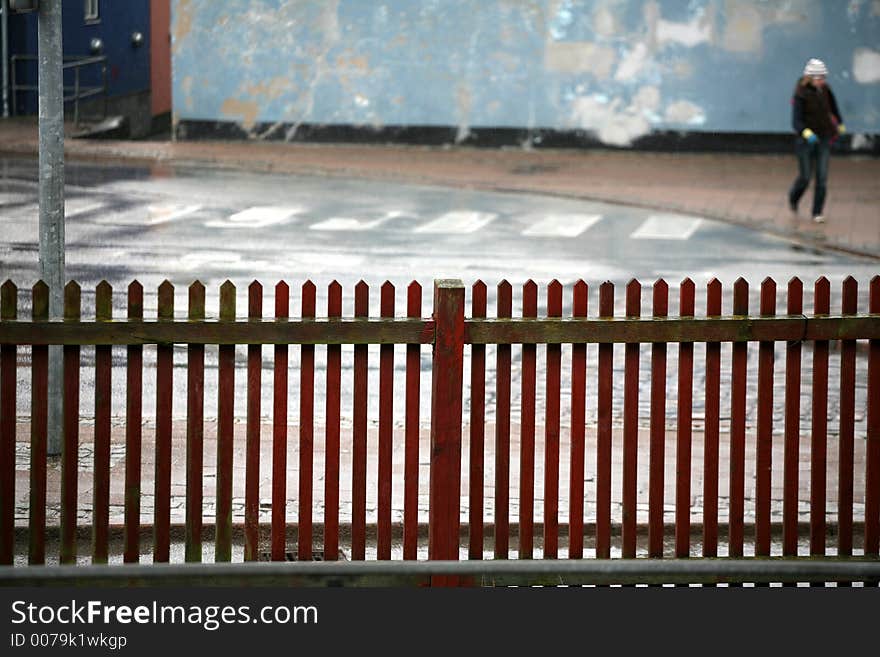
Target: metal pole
[(4, 36), (76, 96), (51, 90)]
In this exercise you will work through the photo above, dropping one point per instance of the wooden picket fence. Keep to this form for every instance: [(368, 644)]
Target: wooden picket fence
[(449, 332)]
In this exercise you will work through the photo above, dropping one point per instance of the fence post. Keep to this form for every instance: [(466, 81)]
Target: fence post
[(446, 409)]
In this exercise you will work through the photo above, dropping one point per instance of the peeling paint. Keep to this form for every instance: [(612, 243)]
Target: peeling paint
[(248, 110), (356, 62), (270, 89), (604, 22), (684, 111), (862, 141), (866, 66), (744, 28), (618, 68), (579, 57), (463, 104), (187, 92), (183, 19), (647, 99), (611, 123), (698, 30), (632, 63)]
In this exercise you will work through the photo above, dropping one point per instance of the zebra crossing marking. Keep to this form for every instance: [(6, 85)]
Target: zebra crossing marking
[(457, 222), (351, 224), (258, 216), (160, 214), (562, 225), (667, 227), (75, 207)]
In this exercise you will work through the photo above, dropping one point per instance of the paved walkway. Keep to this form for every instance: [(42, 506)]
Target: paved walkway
[(745, 189)]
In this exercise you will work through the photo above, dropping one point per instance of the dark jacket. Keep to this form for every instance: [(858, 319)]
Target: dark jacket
[(814, 108)]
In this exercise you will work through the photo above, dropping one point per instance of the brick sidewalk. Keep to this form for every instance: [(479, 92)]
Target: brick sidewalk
[(750, 190)]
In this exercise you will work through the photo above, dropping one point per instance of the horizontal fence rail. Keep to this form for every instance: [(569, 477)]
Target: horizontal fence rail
[(498, 477), (417, 331)]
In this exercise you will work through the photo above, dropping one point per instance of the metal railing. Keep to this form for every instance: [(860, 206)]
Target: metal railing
[(72, 93), (514, 572)]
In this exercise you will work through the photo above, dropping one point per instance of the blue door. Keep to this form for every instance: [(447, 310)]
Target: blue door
[(118, 30)]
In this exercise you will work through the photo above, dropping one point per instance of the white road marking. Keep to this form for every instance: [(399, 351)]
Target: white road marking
[(667, 227), (160, 214), (562, 225), (350, 224), (256, 217), (457, 222), (9, 198), (74, 207), (193, 261)]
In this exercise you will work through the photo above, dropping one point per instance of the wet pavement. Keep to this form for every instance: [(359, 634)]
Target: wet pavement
[(745, 189)]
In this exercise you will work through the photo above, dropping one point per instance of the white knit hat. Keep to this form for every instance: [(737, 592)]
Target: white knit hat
[(815, 67)]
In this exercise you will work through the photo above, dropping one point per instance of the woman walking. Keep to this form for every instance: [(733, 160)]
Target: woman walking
[(817, 122)]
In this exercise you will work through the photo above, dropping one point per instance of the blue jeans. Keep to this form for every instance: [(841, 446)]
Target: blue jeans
[(811, 157)]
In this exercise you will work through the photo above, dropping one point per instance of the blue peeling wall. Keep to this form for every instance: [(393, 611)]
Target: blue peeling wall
[(616, 69)]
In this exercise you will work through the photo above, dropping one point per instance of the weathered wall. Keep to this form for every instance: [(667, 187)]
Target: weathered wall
[(619, 69)]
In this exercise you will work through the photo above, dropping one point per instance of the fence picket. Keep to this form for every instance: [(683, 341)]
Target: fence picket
[(446, 413), (711, 429), (386, 415), (306, 430), (477, 428), (359, 433), (279, 430), (8, 358), (846, 437), (764, 438), (70, 437), (657, 450), (332, 438), (792, 426), (195, 430), (164, 408), (39, 432), (605, 390), (411, 447), (101, 451), (225, 428), (578, 433), (502, 428), (819, 438), (133, 432), (252, 446), (738, 426), (629, 476), (684, 427), (527, 431), (551, 430)]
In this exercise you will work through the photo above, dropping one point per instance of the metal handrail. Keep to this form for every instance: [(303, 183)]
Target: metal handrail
[(74, 62)]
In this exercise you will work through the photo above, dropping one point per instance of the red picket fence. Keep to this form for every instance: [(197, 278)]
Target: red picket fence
[(449, 332)]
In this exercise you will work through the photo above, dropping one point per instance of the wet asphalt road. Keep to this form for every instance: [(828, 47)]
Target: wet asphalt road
[(183, 224)]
